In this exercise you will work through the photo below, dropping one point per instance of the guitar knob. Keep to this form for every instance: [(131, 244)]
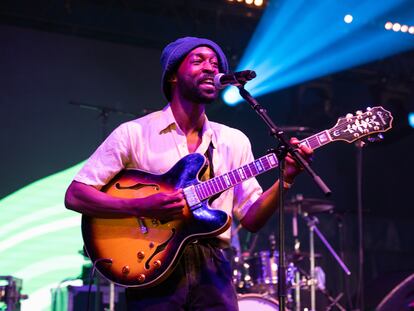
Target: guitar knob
[(125, 269), (141, 255), (157, 264), (141, 278), (151, 244)]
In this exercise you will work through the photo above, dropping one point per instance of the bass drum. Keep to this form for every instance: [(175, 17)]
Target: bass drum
[(257, 302)]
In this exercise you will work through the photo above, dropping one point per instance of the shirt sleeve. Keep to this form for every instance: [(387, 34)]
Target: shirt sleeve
[(110, 158), (247, 192)]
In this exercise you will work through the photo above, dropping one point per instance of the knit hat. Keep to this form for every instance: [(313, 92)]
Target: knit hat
[(175, 52)]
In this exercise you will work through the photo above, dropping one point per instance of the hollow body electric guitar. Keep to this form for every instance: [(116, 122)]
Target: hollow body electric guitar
[(142, 252)]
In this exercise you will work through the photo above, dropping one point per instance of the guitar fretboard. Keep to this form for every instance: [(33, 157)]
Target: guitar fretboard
[(317, 140), (221, 183)]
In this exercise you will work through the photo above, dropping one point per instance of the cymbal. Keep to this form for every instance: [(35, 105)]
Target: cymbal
[(310, 206)]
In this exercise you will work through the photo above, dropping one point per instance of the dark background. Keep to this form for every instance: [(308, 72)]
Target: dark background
[(55, 55)]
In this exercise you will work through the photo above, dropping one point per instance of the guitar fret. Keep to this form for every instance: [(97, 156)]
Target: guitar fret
[(253, 169), (313, 142), (241, 173), (317, 140), (227, 180), (247, 171), (236, 176), (198, 191), (272, 160), (258, 165), (222, 184), (265, 163), (215, 185), (208, 188), (211, 183), (205, 190), (232, 178)]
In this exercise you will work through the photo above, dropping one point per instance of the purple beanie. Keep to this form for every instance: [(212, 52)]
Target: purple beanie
[(174, 53)]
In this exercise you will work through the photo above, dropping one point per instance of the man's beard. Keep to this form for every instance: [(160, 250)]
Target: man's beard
[(192, 92)]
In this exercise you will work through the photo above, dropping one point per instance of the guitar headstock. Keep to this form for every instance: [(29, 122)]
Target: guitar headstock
[(353, 127)]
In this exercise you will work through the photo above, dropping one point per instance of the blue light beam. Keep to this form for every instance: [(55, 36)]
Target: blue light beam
[(299, 40)]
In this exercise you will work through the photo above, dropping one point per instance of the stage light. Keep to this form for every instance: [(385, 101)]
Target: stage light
[(404, 28), (388, 25), (319, 42), (33, 227), (396, 27), (258, 2), (348, 18), (249, 2), (411, 119)]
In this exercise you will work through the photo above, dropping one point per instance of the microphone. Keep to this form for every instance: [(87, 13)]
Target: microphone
[(239, 78)]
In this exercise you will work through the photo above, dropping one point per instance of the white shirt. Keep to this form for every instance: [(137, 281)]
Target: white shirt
[(154, 143)]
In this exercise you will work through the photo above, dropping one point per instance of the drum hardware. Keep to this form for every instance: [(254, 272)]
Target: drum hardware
[(10, 295)]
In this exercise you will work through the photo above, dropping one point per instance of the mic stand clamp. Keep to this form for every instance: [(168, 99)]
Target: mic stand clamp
[(284, 147)]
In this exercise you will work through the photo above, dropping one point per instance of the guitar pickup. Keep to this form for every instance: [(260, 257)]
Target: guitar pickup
[(191, 196)]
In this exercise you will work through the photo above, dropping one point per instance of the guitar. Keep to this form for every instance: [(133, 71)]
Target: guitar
[(142, 252)]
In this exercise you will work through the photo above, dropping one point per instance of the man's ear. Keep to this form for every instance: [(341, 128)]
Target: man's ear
[(172, 78)]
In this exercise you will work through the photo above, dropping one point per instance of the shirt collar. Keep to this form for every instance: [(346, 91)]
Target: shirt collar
[(170, 124)]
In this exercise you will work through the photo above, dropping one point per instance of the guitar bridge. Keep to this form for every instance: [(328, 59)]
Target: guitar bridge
[(191, 196)]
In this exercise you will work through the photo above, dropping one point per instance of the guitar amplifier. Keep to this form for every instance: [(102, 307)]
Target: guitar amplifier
[(77, 298)]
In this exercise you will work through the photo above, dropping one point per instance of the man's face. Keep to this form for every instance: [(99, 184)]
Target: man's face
[(195, 76)]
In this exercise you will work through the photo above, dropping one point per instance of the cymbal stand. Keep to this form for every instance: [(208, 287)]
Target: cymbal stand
[(297, 251), (104, 113), (312, 222)]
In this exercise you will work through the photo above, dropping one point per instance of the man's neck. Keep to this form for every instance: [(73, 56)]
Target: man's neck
[(189, 116)]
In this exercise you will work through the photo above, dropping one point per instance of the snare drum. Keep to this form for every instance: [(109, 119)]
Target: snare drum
[(249, 302)]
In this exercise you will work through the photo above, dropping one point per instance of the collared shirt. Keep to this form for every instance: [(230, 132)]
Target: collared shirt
[(155, 142)]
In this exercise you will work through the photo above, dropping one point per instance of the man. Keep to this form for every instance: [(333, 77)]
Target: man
[(202, 280)]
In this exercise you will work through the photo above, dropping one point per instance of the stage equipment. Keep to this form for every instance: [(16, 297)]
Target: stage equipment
[(401, 298), (262, 270), (257, 302), (10, 296), (75, 298), (307, 212), (280, 61)]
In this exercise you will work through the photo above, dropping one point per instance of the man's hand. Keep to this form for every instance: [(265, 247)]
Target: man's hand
[(162, 205), (293, 168)]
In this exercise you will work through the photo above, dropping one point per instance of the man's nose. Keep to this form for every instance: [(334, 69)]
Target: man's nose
[(208, 67)]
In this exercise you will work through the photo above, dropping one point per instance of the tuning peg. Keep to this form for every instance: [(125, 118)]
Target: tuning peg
[(375, 138), (358, 112)]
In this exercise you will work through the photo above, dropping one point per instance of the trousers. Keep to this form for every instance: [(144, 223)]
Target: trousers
[(202, 280)]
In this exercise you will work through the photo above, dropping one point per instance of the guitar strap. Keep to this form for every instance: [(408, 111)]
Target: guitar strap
[(209, 171)]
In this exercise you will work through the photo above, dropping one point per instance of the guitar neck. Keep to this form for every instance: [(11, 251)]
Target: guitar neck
[(226, 181), (348, 128), (317, 140)]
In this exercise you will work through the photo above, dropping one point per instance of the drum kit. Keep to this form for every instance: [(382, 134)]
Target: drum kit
[(255, 274)]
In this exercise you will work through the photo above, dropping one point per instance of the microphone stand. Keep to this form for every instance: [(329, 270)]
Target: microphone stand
[(284, 147)]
